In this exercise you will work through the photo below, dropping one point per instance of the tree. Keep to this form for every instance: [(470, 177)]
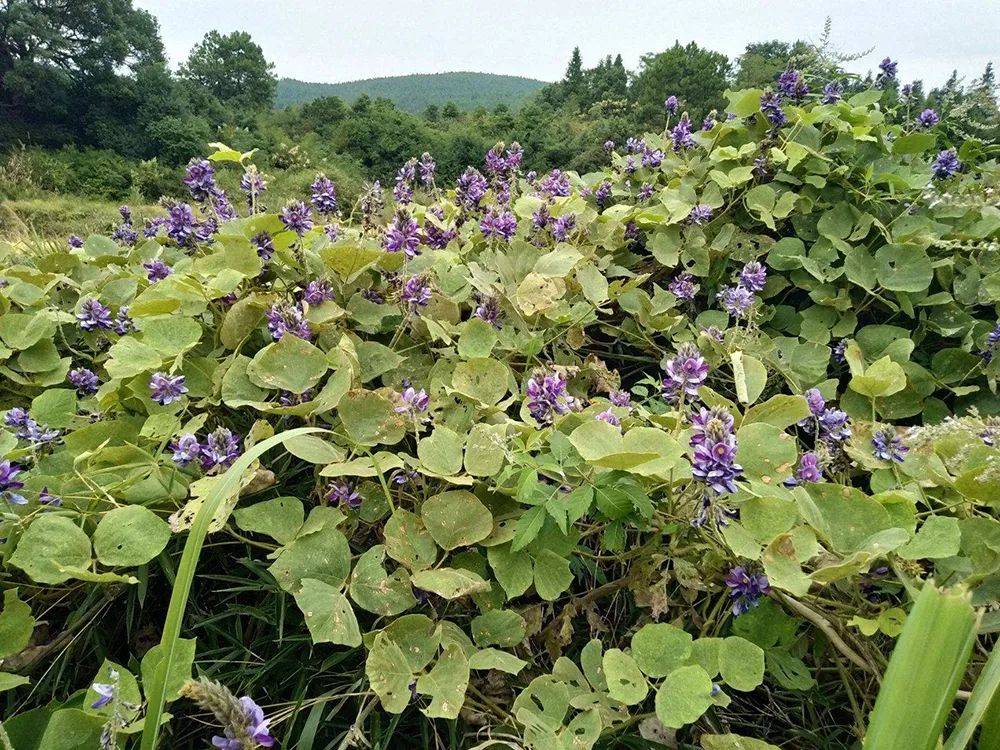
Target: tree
[(233, 68), (66, 61), (698, 77)]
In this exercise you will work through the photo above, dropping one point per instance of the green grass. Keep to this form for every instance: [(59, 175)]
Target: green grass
[(58, 216)]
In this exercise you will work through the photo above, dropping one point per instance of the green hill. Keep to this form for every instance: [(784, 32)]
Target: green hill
[(414, 92)]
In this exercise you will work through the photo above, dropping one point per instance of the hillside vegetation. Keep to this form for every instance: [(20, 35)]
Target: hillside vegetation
[(414, 93)]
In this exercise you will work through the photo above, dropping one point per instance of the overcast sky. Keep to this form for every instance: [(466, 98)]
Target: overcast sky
[(319, 40)]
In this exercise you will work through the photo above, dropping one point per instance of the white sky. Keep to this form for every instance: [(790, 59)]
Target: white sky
[(320, 40)]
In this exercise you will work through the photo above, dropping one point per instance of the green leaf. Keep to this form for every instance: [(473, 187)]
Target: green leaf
[(446, 683), (50, 544), (291, 364), (780, 411), (16, 624), (456, 519), (659, 648), (389, 674), (314, 449), (498, 627), (485, 449), (491, 658), (180, 667), (370, 418), (10, 681), (72, 729), (407, 541), (477, 339), (129, 357), (322, 554), (741, 663), (684, 696), (441, 452), (129, 536), (481, 379), (279, 518), (512, 570), (377, 592), (328, 614), (55, 407), (625, 682), (552, 575), (880, 379), (750, 376), (734, 742), (939, 537), (766, 452), (170, 336), (914, 143), (450, 583)]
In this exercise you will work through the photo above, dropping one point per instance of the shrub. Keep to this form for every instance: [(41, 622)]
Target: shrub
[(593, 457)]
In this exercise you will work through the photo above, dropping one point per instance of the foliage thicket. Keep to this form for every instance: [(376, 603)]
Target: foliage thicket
[(658, 453)]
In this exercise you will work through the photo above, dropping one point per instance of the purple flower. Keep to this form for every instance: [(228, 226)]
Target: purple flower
[(681, 134), (716, 420), (94, 315), (413, 401), (816, 402), (9, 483), (323, 196), (888, 446), (652, 158), (541, 218), (888, 68), (840, 351), (746, 589), (708, 123), (736, 300), (792, 85), (47, 498), (700, 214), (220, 449), (283, 318), (499, 224), (609, 417), (17, 417), (85, 381), (753, 276), (686, 372), (683, 286), (992, 341), (256, 728), (317, 292), (946, 164), (181, 224), (609, 145), (415, 293), (165, 389), (75, 241), (928, 118), (635, 145), (834, 426), (645, 191), (186, 449), (252, 183), (770, 105), (907, 91), (832, 92), (124, 233), (38, 434), (427, 167), (671, 105), (200, 179), (123, 323), (546, 395), (297, 217), (808, 470), (370, 203), (157, 270), (436, 237), (621, 399), (714, 458), (471, 188), (488, 310), (563, 226), (105, 693), (343, 493), (555, 184), (264, 244)]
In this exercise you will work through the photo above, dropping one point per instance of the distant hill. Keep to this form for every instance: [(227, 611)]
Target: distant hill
[(414, 92)]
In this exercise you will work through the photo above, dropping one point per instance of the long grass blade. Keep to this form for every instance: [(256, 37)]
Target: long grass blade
[(985, 694), (228, 484), (924, 672)]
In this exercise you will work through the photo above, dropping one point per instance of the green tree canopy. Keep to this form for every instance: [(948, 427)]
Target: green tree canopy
[(697, 77), (233, 68)]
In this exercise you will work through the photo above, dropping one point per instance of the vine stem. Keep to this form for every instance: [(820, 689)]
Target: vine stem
[(829, 631)]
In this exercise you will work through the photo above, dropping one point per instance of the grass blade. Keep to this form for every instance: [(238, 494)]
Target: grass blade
[(924, 672), (985, 694), (227, 485)]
